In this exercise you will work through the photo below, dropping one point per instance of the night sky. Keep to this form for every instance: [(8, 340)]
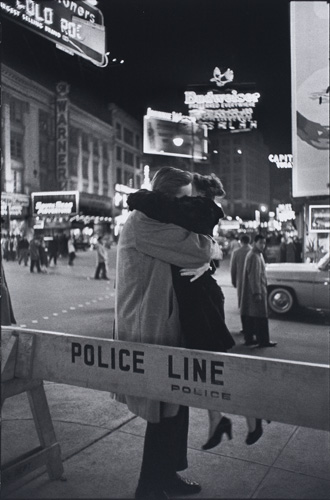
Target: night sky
[(168, 45)]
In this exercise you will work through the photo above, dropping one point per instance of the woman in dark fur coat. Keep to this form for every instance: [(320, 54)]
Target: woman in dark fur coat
[(201, 301)]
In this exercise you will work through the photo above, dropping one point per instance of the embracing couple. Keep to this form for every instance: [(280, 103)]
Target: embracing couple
[(166, 295)]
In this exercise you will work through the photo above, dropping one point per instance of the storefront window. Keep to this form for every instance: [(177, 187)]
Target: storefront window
[(17, 181), (85, 142), (118, 131), (95, 147), (105, 173), (44, 123), (137, 162), (105, 150), (85, 168), (73, 163), (43, 153), (73, 137), (16, 146), (128, 158), (16, 110), (128, 136), (95, 171)]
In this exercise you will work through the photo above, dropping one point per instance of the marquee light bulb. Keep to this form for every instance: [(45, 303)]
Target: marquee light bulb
[(178, 141)]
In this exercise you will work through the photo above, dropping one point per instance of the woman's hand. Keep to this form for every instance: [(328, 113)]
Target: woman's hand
[(195, 273)]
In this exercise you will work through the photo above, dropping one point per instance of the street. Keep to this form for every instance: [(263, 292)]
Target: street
[(68, 300)]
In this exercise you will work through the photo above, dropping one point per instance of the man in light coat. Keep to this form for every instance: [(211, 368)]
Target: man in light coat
[(147, 312), (237, 262), (254, 295)]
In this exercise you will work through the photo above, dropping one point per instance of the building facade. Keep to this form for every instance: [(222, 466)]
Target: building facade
[(241, 162), (50, 144)]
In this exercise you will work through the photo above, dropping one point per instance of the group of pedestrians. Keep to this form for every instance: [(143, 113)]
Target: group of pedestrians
[(248, 276), (166, 294)]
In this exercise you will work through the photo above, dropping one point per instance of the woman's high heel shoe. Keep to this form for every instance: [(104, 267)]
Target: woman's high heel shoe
[(223, 427), (253, 437)]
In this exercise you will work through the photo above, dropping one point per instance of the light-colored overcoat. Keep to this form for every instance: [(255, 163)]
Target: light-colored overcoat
[(237, 262), (146, 308), (254, 282)]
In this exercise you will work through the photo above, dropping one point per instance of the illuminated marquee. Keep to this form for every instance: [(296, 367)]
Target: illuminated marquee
[(55, 203), (284, 212), (75, 26), (281, 161)]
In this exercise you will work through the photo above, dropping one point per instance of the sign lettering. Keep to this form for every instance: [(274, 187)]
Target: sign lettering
[(74, 26), (62, 131)]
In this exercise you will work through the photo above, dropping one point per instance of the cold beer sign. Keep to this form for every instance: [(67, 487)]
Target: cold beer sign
[(75, 26)]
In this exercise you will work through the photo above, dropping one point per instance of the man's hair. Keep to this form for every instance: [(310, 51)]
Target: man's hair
[(245, 238), (209, 186), (259, 237), (170, 179)]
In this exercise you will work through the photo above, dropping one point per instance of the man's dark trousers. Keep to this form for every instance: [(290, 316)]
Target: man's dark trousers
[(165, 450), (253, 325)]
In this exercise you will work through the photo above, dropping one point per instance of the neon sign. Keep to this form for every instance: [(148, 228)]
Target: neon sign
[(281, 161), (75, 26), (223, 110), (62, 133)]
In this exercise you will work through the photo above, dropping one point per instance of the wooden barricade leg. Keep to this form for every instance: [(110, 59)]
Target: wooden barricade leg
[(49, 451), (44, 425)]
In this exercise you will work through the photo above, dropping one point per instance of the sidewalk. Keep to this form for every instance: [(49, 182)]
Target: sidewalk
[(102, 445), (102, 448)]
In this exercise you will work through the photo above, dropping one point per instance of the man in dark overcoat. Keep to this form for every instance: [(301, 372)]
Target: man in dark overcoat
[(254, 296)]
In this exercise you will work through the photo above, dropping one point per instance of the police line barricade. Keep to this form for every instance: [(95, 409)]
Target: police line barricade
[(290, 392)]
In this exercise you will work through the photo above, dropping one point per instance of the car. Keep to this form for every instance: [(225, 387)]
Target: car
[(294, 284)]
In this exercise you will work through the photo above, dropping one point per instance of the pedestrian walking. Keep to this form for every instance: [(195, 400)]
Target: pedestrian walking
[(147, 311), (101, 260), (236, 270), (34, 255), (53, 250), (24, 251), (71, 251), (43, 256)]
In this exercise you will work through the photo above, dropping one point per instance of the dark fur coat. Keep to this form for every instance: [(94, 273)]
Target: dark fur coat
[(201, 301)]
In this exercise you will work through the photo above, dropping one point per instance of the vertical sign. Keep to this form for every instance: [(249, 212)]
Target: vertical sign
[(62, 135), (310, 97)]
